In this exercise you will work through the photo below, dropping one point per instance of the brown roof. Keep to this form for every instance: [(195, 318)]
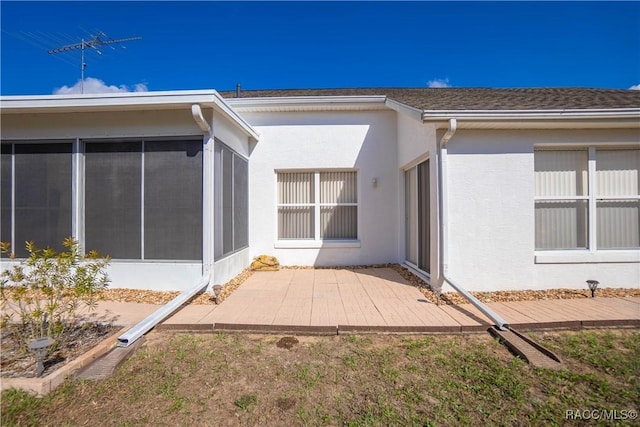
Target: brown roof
[(447, 99)]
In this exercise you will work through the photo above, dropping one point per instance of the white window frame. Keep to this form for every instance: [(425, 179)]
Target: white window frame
[(591, 253), (317, 241)]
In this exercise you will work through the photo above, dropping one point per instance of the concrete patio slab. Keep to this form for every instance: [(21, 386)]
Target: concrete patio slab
[(380, 300)]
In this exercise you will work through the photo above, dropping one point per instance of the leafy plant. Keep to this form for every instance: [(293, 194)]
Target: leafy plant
[(49, 290)]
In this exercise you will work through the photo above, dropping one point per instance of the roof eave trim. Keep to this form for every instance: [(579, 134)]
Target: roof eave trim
[(223, 107), (622, 113), (404, 108), (306, 103), (125, 101)]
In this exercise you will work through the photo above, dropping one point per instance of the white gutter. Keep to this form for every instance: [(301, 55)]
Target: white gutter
[(443, 216), (618, 113), (159, 315), (166, 310), (308, 103), (196, 112)]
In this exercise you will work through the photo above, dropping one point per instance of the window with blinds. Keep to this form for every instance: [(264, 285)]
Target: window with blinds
[(587, 199), (317, 205)]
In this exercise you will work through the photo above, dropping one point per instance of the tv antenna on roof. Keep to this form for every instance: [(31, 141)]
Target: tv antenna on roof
[(94, 43)]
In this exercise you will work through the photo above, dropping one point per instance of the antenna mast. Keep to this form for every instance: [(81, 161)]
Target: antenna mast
[(96, 42)]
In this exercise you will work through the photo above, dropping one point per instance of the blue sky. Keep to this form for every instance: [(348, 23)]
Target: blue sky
[(266, 45)]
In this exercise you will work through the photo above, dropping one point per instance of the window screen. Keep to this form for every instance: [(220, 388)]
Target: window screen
[(5, 193), (231, 201), (227, 200), (240, 202), (173, 200), (42, 195), (113, 180)]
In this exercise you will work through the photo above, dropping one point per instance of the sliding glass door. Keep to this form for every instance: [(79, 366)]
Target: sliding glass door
[(417, 211)]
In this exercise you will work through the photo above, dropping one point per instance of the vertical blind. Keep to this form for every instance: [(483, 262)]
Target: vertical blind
[(338, 221), (618, 179), (564, 188), (298, 189), (333, 201), (561, 223)]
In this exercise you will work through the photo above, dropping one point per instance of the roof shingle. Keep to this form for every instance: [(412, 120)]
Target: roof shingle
[(448, 99)]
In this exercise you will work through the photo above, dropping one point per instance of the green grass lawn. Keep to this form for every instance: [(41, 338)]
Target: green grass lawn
[(234, 379)]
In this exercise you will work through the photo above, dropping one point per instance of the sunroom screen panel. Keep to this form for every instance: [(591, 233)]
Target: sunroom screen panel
[(227, 201), (173, 200), (6, 173), (113, 203), (240, 202), (42, 195)]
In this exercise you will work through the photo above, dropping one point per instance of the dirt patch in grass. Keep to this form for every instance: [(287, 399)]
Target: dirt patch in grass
[(234, 379)]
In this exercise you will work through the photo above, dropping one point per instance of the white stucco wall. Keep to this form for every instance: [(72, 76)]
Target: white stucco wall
[(491, 213), (365, 141)]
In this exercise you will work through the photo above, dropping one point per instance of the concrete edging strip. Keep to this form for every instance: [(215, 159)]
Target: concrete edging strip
[(44, 385)]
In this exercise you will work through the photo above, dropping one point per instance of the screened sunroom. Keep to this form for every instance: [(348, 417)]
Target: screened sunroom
[(149, 182)]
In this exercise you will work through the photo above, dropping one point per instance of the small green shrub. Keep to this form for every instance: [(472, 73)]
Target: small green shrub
[(49, 290)]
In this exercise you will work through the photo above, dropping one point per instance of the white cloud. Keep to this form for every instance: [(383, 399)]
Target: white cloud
[(635, 87), (92, 85), (438, 83)]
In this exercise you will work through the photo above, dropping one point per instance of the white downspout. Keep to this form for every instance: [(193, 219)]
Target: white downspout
[(131, 335), (444, 230)]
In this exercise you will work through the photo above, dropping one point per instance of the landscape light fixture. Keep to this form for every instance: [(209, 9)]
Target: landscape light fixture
[(40, 347), (217, 289), (593, 285)]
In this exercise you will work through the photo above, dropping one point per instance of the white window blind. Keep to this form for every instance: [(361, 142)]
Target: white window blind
[(317, 205), (587, 189), (561, 185), (618, 205)]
